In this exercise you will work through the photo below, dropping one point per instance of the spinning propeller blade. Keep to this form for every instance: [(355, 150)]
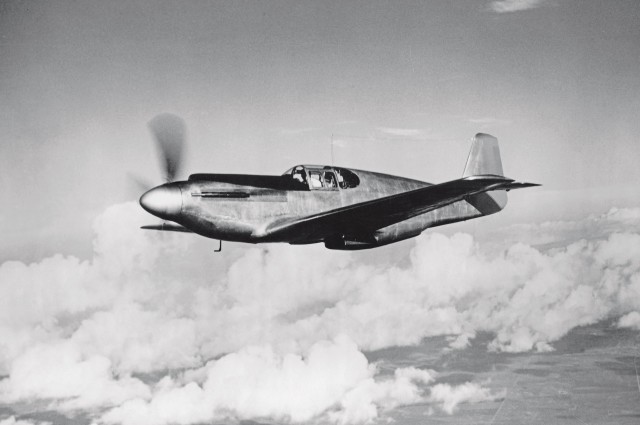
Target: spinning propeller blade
[(170, 133), (138, 184)]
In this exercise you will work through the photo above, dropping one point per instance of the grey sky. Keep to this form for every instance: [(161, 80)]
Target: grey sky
[(402, 86)]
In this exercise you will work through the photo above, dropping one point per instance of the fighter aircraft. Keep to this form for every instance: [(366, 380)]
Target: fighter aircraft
[(346, 209)]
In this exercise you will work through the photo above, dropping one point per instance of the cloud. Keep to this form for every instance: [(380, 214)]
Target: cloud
[(89, 326), (11, 420), (136, 349), (449, 397), (361, 404), (59, 371), (401, 132), (631, 320), (506, 6), (334, 377), (151, 328), (485, 122)]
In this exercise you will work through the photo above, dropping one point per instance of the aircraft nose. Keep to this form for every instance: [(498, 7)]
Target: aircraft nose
[(163, 201)]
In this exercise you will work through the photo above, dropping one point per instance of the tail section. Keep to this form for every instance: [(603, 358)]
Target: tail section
[(484, 158)]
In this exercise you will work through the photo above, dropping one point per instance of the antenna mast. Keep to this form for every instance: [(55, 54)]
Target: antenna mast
[(332, 162)]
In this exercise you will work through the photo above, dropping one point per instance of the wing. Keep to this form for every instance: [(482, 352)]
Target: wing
[(382, 212), (167, 227)]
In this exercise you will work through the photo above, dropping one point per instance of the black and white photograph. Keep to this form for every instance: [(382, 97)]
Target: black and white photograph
[(279, 212)]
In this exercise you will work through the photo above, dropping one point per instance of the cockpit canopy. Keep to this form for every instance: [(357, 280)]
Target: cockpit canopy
[(317, 177)]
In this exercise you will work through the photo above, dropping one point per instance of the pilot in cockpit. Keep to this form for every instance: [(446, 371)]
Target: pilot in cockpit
[(300, 176), (330, 180)]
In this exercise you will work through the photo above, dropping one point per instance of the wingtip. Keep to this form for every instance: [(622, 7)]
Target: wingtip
[(167, 227)]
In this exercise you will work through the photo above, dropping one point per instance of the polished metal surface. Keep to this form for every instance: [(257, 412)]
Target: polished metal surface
[(163, 201), (346, 209)]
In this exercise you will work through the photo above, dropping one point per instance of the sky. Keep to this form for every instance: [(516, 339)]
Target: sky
[(101, 318), (400, 87)]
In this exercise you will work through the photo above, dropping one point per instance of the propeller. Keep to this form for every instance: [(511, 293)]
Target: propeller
[(138, 184), (164, 201), (169, 132)]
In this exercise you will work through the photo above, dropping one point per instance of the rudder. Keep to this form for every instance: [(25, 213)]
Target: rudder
[(483, 159)]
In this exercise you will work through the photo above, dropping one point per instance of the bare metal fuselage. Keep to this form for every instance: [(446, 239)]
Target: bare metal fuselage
[(346, 209), (241, 208)]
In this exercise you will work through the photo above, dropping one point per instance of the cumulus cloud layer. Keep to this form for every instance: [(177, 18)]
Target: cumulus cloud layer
[(256, 382), (152, 329)]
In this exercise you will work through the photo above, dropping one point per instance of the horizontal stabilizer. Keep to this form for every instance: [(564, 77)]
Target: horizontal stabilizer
[(167, 227), (507, 184), (519, 185)]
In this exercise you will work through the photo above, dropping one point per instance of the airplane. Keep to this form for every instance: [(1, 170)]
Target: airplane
[(344, 208)]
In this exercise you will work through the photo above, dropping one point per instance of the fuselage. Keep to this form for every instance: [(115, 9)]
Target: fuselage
[(243, 208)]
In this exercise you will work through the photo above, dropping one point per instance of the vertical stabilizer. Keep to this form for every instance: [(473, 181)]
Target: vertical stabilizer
[(484, 157)]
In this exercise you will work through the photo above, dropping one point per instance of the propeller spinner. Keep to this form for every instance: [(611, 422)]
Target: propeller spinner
[(162, 201)]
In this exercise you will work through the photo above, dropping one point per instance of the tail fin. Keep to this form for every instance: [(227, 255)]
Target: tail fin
[(484, 158)]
